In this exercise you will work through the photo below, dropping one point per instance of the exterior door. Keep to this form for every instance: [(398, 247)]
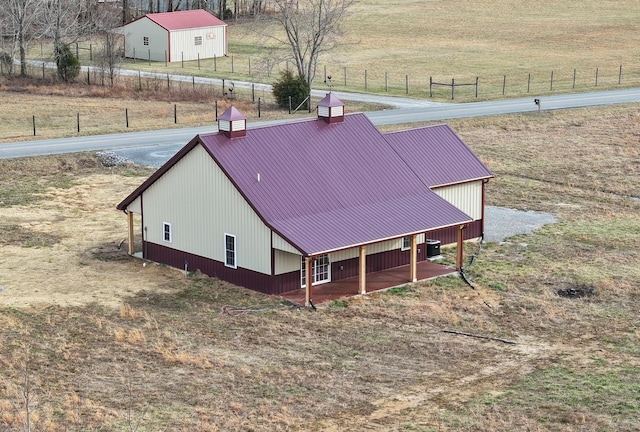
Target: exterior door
[(321, 271)]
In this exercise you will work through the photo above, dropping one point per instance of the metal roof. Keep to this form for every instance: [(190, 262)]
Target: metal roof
[(437, 155), (325, 187), (180, 20)]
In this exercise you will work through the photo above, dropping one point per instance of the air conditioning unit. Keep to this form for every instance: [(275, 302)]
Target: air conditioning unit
[(433, 248)]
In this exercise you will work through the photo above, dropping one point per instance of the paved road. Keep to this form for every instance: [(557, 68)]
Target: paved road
[(153, 148)]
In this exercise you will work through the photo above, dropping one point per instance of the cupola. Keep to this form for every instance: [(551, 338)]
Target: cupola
[(331, 109), (232, 123)]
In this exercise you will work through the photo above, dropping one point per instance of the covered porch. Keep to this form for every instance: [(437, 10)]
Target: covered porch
[(375, 281)]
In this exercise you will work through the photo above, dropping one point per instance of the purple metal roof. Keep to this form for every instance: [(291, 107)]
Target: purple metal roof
[(231, 114), (326, 186), (330, 101), (437, 155), (187, 19)]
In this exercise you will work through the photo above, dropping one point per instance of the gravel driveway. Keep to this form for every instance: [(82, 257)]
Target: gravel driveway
[(501, 222)]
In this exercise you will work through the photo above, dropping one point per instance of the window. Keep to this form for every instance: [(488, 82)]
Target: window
[(145, 40), (406, 243), (166, 232), (198, 40), (321, 270), (230, 250)]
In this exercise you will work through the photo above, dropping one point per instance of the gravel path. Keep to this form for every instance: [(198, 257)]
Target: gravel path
[(501, 222)]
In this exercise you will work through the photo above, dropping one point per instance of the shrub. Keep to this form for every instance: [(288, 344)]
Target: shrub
[(67, 63), (288, 85)]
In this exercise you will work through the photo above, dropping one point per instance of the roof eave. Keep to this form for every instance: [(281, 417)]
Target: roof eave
[(341, 248)]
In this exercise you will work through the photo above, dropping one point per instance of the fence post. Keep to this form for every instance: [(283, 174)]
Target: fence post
[(139, 81), (77, 52), (259, 107), (149, 56), (215, 63), (551, 81), (430, 86), (193, 82), (78, 121), (198, 61), (34, 125), (232, 69), (529, 82), (126, 116), (88, 77), (406, 83), (477, 80), (249, 60), (325, 72), (453, 86), (42, 70), (168, 85), (504, 84), (175, 113), (216, 110), (90, 52), (386, 83), (345, 76), (596, 77), (253, 92), (365, 79), (574, 78), (620, 75), (182, 59)]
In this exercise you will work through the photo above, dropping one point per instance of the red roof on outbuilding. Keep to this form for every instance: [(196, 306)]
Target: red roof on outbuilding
[(180, 20)]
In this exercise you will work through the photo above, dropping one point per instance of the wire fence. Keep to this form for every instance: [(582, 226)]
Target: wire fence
[(460, 87)]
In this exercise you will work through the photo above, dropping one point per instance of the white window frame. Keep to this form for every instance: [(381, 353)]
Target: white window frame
[(166, 225), (234, 264), (197, 40), (406, 247), (314, 280)]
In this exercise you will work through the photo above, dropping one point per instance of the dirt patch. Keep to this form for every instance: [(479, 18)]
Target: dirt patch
[(577, 291)]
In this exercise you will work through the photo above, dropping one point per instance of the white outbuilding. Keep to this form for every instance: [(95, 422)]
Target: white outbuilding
[(175, 36)]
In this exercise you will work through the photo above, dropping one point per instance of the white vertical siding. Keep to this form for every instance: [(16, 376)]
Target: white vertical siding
[(286, 262), (374, 248), (135, 32), (183, 43), (282, 244), (201, 205), (466, 197)]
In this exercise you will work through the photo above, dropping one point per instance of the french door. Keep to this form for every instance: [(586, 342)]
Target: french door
[(321, 270)]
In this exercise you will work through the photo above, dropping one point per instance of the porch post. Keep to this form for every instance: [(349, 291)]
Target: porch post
[(308, 267), (132, 249), (362, 270), (460, 255), (414, 258)]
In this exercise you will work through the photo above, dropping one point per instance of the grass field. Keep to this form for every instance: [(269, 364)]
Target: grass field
[(108, 344), (98, 342)]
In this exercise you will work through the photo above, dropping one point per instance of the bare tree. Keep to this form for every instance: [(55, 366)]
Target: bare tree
[(312, 27), (20, 18)]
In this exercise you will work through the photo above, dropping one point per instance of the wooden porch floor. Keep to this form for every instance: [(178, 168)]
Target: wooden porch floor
[(385, 279)]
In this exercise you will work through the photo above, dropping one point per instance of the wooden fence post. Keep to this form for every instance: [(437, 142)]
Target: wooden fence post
[(504, 83), (406, 83), (453, 86), (574, 78), (620, 75), (551, 81), (529, 82), (596, 77)]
